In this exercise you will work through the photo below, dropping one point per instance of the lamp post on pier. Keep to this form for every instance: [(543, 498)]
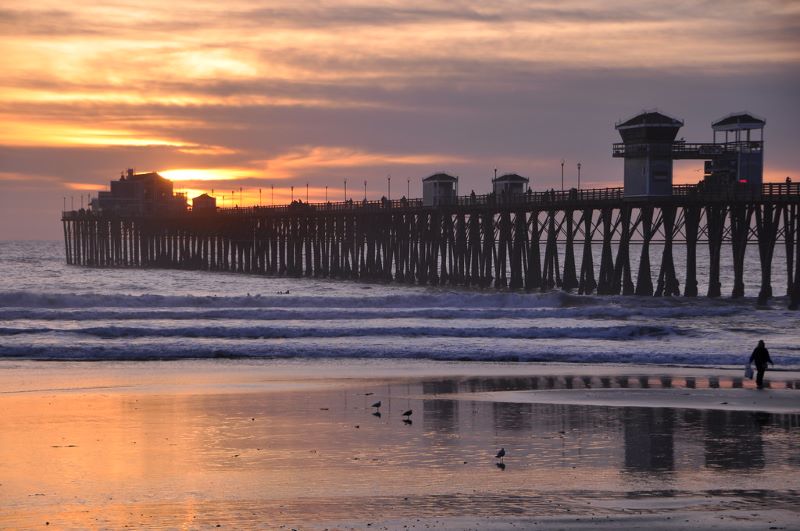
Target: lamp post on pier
[(389, 180), (306, 191), (408, 186), (579, 176), (259, 197), (345, 190), (365, 190), (272, 189), (326, 193), (562, 174)]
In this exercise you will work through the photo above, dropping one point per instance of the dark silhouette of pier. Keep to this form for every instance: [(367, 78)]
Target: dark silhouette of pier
[(530, 241)]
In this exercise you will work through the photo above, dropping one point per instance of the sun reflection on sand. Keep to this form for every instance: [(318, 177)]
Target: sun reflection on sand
[(251, 447)]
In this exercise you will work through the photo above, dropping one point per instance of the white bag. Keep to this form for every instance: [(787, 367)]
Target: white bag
[(748, 371)]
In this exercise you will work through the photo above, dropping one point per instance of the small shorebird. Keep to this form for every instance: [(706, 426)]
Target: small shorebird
[(501, 454), (408, 413), (377, 404)]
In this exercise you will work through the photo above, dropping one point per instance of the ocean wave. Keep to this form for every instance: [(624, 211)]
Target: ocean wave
[(442, 298), (612, 333), (362, 313)]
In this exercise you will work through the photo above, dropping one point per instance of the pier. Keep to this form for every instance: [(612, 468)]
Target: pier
[(532, 241), (513, 238)]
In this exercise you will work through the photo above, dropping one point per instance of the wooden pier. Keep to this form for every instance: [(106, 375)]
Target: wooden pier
[(522, 242)]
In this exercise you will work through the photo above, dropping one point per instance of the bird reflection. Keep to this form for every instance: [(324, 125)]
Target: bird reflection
[(501, 466), (408, 422), (377, 414)]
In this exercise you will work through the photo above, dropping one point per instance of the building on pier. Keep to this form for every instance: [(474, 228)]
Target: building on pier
[(649, 147), (741, 162), (204, 203), (140, 194), (647, 140), (510, 184), (439, 189)]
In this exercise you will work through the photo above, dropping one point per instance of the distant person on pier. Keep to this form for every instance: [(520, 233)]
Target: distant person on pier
[(761, 358)]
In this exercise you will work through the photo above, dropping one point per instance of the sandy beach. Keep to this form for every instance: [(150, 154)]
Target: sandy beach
[(296, 444)]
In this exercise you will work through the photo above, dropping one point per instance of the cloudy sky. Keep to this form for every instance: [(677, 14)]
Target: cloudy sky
[(274, 94)]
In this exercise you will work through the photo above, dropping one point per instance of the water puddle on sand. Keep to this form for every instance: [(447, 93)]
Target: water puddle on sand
[(309, 455)]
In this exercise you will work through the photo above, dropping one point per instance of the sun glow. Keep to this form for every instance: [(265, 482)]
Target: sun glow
[(209, 174)]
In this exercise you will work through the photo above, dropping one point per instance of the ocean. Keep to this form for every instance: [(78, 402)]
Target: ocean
[(51, 311)]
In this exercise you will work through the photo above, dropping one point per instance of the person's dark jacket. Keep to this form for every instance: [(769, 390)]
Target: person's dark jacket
[(760, 356)]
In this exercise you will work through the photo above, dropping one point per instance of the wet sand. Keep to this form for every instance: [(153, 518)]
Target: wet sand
[(265, 444)]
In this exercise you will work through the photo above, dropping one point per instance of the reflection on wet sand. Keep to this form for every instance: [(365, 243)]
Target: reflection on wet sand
[(324, 455)]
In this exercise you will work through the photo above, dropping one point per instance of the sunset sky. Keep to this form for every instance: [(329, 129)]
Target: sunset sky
[(223, 95)]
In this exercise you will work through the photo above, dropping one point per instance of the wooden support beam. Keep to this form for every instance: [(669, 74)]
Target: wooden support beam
[(768, 218), (605, 284), (586, 282), (715, 226), (569, 279), (623, 282), (691, 216), (667, 279), (740, 218), (644, 281), (533, 275)]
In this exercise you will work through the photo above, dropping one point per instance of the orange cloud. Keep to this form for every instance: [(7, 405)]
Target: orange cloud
[(321, 157)]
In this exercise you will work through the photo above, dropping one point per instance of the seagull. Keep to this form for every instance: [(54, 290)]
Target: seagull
[(501, 454), (377, 404), (408, 413)]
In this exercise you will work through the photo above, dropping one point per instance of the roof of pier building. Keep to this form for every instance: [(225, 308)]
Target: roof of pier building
[(511, 178), (440, 177), (649, 127), (738, 121)]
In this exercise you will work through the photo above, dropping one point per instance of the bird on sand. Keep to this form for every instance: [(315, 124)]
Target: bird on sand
[(501, 454), (377, 404), (407, 413)]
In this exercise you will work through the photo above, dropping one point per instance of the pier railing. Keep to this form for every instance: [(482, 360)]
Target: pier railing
[(685, 150)]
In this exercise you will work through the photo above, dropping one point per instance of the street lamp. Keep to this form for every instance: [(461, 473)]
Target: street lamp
[(259, 197), (408, 191), (365, 189), (579, 176), (306, 192), (562, 174), (272, 189), (345, 190), (292, 194), (326, 193), (389, 180)]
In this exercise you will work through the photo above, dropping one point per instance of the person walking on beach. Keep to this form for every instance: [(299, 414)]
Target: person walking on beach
[(761, 357)]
